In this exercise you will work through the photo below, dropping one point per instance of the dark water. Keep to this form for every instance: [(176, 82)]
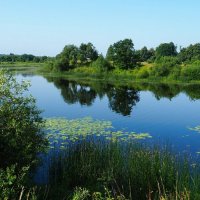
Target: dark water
[(164, 111)]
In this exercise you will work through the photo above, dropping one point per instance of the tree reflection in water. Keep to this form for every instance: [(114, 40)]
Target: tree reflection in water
[(122, 97)]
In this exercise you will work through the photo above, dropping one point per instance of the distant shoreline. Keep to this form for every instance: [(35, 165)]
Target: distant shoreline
[(40, 68)]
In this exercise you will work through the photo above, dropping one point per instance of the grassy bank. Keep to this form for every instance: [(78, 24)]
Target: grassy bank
[(22, 67), (116, 76), (21, 64), (147, 73)]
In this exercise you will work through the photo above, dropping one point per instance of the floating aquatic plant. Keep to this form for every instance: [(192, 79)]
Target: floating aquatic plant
[(61, 131), (197, 129)]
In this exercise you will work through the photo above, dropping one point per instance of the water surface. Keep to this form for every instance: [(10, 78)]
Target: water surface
[(164, 111)]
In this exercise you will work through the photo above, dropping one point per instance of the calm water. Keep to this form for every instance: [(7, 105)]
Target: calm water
[(164, 111)]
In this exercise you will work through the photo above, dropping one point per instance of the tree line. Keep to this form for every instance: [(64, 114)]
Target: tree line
[(22, 58), (123, 55)]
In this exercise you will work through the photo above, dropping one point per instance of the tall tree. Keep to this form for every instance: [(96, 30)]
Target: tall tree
[(166, 49), (190, 53), (87, 53), (144, 54), (122, 54), (67, 58)]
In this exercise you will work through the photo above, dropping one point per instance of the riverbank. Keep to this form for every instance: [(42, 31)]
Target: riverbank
[(87, 73), (114, 77), (21, 64), (22, 67)]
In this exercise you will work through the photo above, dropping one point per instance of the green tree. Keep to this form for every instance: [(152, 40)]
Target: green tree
[(67, 59), (166, 49), (144, 54), (21, 133), (190, 53), (122, 54), (61, 64), (102, 64), (87, 53), (70, 53)]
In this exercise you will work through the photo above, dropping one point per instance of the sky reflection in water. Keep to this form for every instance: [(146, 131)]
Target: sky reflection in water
[(164, 111)]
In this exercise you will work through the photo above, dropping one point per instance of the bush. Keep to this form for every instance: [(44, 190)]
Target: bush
[(175, 73), (21, 133), (191, 72), (143, 72), (61, 65), (163, 66), (101, 64)]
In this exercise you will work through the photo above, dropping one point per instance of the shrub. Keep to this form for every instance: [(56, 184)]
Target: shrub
[(61, 65), (163, 66), (143, 72), (191, 72), (101, 64), (21, 133), (175, 73)]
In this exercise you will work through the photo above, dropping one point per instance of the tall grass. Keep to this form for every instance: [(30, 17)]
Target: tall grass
[(125, 169)]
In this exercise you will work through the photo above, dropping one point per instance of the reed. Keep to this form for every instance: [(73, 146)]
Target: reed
[(125, 169)]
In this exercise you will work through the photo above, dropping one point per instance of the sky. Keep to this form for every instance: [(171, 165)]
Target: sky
[(44, 27)]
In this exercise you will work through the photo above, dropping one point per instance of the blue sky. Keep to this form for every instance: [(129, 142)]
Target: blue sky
[(44, 27)]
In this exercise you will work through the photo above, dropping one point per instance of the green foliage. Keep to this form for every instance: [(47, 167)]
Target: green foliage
[(12, 183), (190, 53), (12, 58), (21, 133), (191, 72), (122, 54), (61, 64), (164, 66), (125, 168), (160, 71), (7, 179), (67, 59), (102, 64), (122, 61), (72, 57), (69, 55), (144, 54), (87, 53), (143, 73), (166, 49), (80, 194)]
